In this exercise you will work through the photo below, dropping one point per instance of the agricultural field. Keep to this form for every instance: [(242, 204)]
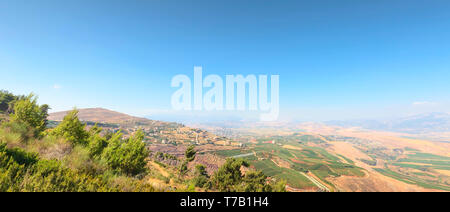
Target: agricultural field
[(422, 169), (292, 158), (293, 177)]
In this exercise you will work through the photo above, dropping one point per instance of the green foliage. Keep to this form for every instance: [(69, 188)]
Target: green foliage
[(229, 175), (28, 112), (18, 155), (72, 129), (183, 168), (200, 170), (254, 181), (22, 130), (22, 171), (127, 156), (279, 186), (67, 158), (201, 177), (190, 153), (96, 142), (229, 178), (96, 145), (165, 156), (6, 100)]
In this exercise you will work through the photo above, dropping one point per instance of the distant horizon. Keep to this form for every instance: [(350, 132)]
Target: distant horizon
[(188, 119)]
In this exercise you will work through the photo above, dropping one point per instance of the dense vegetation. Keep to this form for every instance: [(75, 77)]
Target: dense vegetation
[(72, 157), (66, 158)]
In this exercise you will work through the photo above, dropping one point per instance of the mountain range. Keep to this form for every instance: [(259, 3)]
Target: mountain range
[(417, 124)]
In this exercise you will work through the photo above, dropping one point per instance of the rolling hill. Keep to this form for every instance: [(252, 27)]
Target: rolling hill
[(100, 115), (155, 131)]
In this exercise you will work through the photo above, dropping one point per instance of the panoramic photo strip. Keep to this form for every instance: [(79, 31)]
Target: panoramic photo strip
[(224, 103)]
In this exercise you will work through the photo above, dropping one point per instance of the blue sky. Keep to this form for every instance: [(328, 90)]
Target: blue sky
[(342, 59)]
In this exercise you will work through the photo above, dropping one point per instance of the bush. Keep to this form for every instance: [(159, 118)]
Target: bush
[(6, 99), (201, 176), (28, 112), (127, 156), (72, 129), (21, 129), (96, 145), (229, 175), (229, 178)]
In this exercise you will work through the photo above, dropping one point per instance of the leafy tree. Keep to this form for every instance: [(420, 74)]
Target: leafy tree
[(229, 178), (279, 186), (189, 156), (255, 181), (96, 142), (202, 178), (127, 156), (183, 168), (28, 112), (72, 129), (190, 153), (6, 98), (95, 130), (200, 170), (229, 175)]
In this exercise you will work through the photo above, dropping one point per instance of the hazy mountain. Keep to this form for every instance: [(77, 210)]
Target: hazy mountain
[(423, 123)]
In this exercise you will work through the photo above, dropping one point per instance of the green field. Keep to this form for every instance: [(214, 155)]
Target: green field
[(413, 180), (309, 159), (429, 162), (424, 162), (293, 178)]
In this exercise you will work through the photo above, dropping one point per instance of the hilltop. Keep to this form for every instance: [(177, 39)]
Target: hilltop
[(100, 115), (105, 116)]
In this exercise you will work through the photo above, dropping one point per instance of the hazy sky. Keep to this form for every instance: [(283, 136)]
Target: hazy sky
[(336, 59)]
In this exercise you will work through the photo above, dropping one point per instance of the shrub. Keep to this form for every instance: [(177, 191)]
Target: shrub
[(20, 129), (127, 156), (72, 129), (28, 112), (229, 178)]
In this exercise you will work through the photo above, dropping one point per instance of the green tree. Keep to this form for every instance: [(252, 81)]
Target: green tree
[(127, 156), (72, 129), (229, 178), (279, 186), (190, 153), (229, 175), (6, 98), (200, 170), (189, 156), (27, 111), (97, 143), (255, 181), (201, 176)]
